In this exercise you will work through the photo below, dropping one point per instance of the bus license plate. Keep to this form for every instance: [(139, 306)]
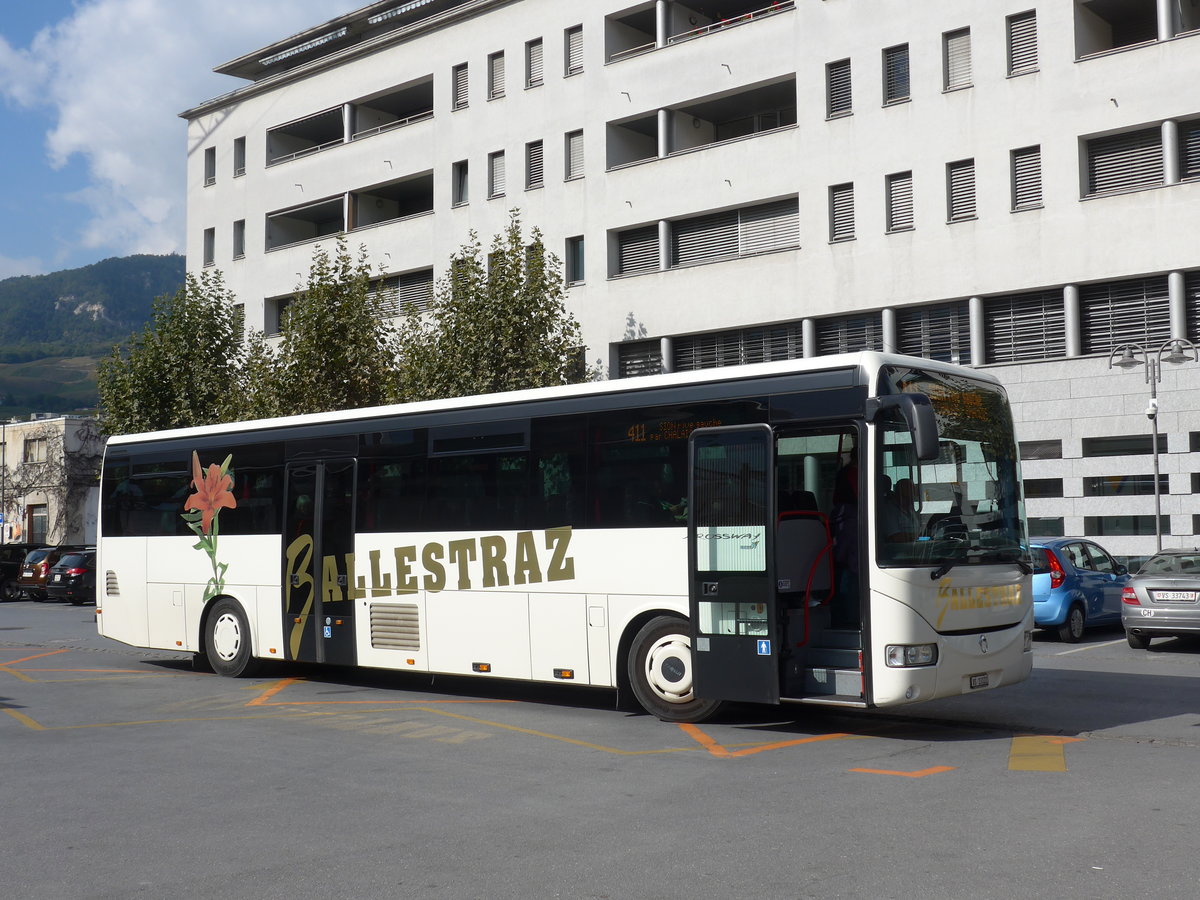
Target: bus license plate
[(979, 681), (1175, 595)]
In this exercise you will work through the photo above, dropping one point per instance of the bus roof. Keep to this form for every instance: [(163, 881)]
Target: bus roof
[(867, 363)]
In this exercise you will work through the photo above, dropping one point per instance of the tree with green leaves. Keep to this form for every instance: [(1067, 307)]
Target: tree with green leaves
[(183, 368), (493, 324)]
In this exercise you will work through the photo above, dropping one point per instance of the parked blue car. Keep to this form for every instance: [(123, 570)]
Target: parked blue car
[(1076, 584)]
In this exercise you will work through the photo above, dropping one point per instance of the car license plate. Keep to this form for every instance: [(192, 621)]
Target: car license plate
[(58, 576), (1174, 595), (979, 681)]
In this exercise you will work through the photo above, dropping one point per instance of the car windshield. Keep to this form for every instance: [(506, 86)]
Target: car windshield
[(36, 556), (1172, 564)]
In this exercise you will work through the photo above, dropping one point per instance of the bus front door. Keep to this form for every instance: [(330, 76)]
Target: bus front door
[(318, 561), (731, 558)]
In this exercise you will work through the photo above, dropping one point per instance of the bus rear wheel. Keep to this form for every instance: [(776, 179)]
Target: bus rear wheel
[(227, 640), (660, 672)]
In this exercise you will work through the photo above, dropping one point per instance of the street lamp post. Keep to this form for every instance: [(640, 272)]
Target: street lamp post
[(1173, 351)]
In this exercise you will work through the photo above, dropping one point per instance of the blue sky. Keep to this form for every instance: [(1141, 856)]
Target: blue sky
[(91, 145)]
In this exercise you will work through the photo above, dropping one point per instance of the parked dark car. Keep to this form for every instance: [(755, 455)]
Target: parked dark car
[(73, 578), (1076, 583), (36, 569), (1163, 598), (12, 556)]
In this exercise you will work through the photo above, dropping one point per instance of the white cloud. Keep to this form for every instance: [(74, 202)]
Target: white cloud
[(11, 268), (114, 76)]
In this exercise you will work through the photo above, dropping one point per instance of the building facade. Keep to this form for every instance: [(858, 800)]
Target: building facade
[(1012, 186), (49, 480)]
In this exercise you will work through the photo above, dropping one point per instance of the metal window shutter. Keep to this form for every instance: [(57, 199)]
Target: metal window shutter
[(1191, 300), (1027, 177), (1125, 161), (704, 238), (772, 226), (574, 50), (938, 332), (900, 201), (496, 75), (535, 63), (496, 173), (958, 58), (962, 189), (839, 88), (533, 165), (1022, 43), (460, 86), (641, 358), (895, 69), (637, 250), (841, 201), (849, 334), (1025, 327), (738, 347), (1123, 311), (575, 154), (414, 290), (1189, 150)]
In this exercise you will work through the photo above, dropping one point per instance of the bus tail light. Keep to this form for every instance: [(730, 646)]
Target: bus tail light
[(1129, 595), (1057, 575), (905, 656)]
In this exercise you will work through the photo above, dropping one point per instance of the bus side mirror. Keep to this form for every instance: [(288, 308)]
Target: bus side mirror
[(918, 416)]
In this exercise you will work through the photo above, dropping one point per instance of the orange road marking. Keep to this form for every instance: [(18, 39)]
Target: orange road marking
[(722, 752), (14, 662), (933, 770), (264, 699)]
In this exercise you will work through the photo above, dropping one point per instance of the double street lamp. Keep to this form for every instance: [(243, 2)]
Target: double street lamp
[(1126, 356)]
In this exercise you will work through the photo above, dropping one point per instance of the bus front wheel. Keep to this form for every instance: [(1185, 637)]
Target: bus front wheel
[(660, 672), (227, 640)]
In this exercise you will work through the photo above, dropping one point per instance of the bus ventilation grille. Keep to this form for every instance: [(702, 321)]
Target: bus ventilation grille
[(395, 626), (110, 584)]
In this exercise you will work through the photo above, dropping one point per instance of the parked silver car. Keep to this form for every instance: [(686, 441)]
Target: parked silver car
[(1163, 598)]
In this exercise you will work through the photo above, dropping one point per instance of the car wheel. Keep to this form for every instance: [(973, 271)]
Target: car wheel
[(660, 672), (227, 640), (1138, 641), (9, 590), (1071, 630)]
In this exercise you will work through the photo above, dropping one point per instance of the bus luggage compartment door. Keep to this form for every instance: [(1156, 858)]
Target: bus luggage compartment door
[(731, 561)]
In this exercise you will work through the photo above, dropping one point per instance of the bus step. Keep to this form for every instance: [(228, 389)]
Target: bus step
[(832, 658), (850, 639), (823, 680)]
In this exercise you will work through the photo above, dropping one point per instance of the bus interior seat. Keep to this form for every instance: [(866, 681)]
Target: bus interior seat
[(804, 551)]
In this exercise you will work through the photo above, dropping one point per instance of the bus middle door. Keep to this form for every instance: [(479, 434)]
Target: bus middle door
[(318, 606), (731, 561)]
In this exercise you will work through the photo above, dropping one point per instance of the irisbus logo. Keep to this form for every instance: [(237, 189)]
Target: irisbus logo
[(976, 597)]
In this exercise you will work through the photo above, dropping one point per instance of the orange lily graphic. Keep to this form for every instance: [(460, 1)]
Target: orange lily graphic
[(213, 492)]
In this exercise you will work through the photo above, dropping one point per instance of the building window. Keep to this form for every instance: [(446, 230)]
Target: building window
[(210, 166), (1125, 485), (1036, 488), (637, 250), (239, 318), (496, 174), (841, 212), (960, 190), (459, 87), (239, 239), (1027, 178), (574, 50), (1118, 312), (239, 157), (936, 332), (39, 523), (1121, 445), (533, 63), (736, 232), (1025, 327), (839, 101), (1189, 150), (1041, 449), (639, 358), (575, 269), (1022, 43), (1046, 527), (400, 294), (534, 170), (739, 347), (210, 246), (849, 334), (895, 74), (956, 59), (1125, 162), (899, 202), (460, 186), (496, 75), (35, 450), (574, 155), (1109, 526)]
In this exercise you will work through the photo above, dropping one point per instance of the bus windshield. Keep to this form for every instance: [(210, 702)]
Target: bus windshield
[(963, 508)]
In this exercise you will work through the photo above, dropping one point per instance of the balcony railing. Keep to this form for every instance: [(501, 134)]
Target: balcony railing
[(741, 19), (388, 126)]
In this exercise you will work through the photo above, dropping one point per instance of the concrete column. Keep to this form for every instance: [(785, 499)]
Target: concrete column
[(664, 245), (662, 22), (978, 342), (1166, 19), (666, 125), (1175, 293), (347, 122), (808, 338), (888, 321), (1170, 142), (1071, 320), (666, 347)]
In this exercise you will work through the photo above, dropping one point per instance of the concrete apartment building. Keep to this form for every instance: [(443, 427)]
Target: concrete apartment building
[(1014, 186)]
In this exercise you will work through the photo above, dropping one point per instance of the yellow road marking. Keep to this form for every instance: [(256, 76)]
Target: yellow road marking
[(722, 752), (1039, 753), (25, 720), (932, 770), (275, 689)]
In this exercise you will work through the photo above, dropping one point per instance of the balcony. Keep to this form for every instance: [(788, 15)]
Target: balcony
[(639, 31)]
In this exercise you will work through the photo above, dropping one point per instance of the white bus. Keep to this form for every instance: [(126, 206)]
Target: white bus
[(843, 530)]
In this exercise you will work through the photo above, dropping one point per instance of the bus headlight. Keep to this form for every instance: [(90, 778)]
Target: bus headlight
[(903, 656)]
